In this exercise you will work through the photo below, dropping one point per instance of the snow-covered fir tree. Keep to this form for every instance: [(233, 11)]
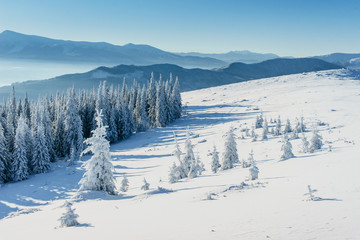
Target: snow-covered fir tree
[(259, 121), (253, 170), (145, 186), (215, 164), (277, 130), (40, 162), (20, 163), (300, 126), (305, 144), (287, 128), (196, 168), (98, 175), (265, 130), (124, 184), (151, 100), (253, 134), (315, 141), (174, 173), (286, 149), (5, 157), (68, 218), (176, 100), (73, 125), (161, 115), (230, 156)]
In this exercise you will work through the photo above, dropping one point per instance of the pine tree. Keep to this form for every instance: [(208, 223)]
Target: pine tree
[(151, 100), (300, 126), (305, 144), (69, 218), (98, 175), (59, 133), (315, 141), (196, 168), (277, 130), (174, 174), (254, 172), (146, 185), (176, 100), (189, 156), (286, 149), (230, 155), (287, 128), (41, 157), (124, 184), (215, 164), (265, 130), (5, 157), (160, 106), (73, 125), (20, 170)]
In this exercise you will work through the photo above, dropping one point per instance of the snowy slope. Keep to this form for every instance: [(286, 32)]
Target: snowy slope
[(272, 207)]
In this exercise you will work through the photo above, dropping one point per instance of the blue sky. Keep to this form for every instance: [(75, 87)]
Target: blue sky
[(285, 27)]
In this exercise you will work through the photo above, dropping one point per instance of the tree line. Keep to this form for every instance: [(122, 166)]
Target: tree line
[(35, 133)]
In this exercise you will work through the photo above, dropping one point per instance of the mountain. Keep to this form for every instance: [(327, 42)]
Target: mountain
[(15, 45), (235, 56), (350, 60), (190, 79)]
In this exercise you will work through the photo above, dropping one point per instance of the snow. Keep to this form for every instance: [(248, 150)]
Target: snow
[(272, 207)]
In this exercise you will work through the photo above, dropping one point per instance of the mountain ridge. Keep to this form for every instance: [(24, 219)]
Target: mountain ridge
[(190, 79)]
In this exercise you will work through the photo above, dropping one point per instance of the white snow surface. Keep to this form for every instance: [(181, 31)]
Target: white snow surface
[(215, 206)]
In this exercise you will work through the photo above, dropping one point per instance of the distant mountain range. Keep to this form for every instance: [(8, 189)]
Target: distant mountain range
[(15, 45), (235, 56), (349, 60), (190, 79)]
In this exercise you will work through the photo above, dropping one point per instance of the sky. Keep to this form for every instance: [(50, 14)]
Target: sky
[(286, 27)]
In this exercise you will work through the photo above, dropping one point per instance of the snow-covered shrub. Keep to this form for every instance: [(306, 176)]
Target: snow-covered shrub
[(98, 175), (69, 218), (146, 185)]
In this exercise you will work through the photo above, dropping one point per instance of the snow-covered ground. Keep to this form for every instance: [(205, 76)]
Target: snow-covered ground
[(272, 207)]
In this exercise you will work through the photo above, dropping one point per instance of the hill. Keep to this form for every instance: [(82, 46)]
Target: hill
[(190, 79), (219, 205)]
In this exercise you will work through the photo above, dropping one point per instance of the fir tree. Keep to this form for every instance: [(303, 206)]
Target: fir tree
[(230, 155), (315, 141), (286, 149), (73, 125), (5, 157), (277, 130), (265, 130), (124, 184), (69, 218), (41, 157), (151, 100), (304, 144), (287, 128), (20, 170), (160, 106), (146, 185), (215, 164), (98, 175), (176, 100)]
